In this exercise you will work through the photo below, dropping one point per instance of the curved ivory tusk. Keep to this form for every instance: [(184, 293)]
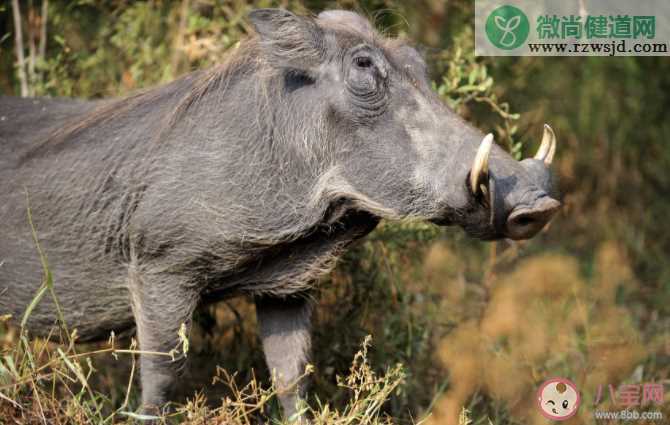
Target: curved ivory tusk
[(547, 147), (480, 166)]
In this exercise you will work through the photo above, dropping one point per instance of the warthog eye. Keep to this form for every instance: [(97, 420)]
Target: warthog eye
[(365, 79), (363, 62)]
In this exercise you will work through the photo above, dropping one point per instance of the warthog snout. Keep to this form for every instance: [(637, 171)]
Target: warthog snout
[(524, 222), (518, 195)]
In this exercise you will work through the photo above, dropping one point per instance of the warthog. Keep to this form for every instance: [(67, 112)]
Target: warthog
[(249, 178)]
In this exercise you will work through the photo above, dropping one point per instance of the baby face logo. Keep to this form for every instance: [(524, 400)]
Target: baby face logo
[(558, 399)]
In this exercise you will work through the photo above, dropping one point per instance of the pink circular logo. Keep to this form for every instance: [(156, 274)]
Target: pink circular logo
[(558, 399)]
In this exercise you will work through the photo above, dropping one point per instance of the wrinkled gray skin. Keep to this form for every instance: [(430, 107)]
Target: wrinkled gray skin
[(250, 178)]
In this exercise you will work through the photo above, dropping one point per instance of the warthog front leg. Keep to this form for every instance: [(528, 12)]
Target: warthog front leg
[(285, 331), (162, 305)]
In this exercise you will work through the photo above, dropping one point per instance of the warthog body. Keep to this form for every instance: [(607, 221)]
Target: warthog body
[(249, 178)]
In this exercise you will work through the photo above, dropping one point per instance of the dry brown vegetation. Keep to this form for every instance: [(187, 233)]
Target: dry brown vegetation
[(545, 319)]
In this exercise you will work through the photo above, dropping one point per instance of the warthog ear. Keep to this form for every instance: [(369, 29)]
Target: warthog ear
[(288, 41)]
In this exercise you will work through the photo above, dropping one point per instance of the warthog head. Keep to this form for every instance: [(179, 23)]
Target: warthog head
[(393, 147)]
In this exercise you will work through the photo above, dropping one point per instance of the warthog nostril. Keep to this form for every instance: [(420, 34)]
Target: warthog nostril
[(524, 222)]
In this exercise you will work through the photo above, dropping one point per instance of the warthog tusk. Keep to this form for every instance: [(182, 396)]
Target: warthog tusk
[(480, 167), (548, 146)]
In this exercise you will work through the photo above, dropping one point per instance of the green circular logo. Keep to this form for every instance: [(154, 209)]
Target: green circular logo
[(507, 27)]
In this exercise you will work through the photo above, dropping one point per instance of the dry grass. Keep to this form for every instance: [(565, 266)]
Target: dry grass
[(43, 381), (545, 319), (47, 382)]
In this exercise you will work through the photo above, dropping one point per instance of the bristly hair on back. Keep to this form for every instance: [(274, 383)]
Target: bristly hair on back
[(186, 91)]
